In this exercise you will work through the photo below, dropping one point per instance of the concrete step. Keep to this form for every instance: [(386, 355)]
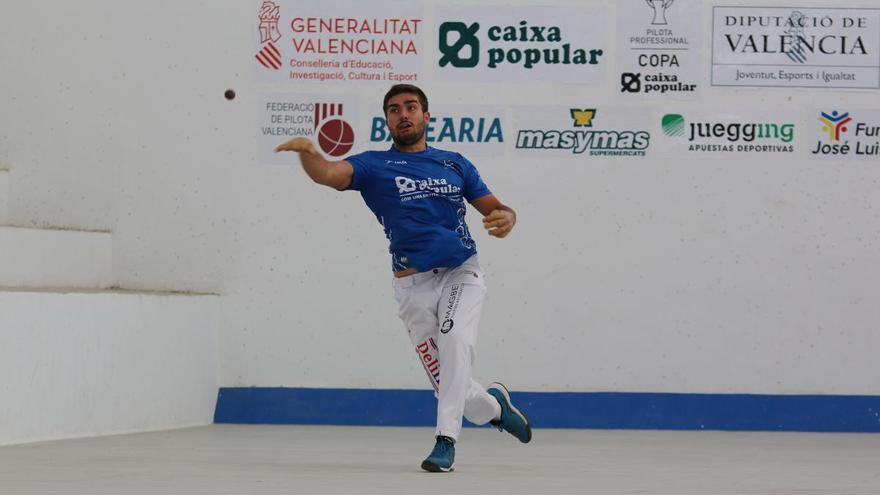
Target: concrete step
[(55, 258), (80, 363), (4, 197)]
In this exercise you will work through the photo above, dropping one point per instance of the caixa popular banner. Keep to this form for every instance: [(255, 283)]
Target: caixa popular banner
[(327, 42), (481, 43)]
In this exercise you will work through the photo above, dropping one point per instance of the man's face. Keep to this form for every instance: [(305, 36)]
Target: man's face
[(406, 119)]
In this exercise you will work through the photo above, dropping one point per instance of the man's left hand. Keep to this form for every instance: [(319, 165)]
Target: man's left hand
[(499, 223)]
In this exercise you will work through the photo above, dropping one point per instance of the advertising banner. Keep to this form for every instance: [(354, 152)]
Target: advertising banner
[(719, 134), (796, 47), (658, 54), (581, 131), (472, 130), (333, 42), (845, 133), (520, 44), (330, 122)]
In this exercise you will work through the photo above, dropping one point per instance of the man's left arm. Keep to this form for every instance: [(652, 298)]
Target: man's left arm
[(498, 218)]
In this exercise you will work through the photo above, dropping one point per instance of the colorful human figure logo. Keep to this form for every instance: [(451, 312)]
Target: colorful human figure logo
[(834, 124)]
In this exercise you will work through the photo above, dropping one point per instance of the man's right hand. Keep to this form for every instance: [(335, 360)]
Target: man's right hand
[(300, 144), (337, 174)]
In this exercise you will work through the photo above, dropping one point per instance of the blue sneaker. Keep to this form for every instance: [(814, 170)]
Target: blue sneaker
[(442, 457), (512, 419)]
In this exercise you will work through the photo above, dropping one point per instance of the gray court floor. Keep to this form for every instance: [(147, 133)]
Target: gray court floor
[(227, 459)]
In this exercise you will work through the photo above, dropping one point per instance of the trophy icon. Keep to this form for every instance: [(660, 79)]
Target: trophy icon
[(659, 7)]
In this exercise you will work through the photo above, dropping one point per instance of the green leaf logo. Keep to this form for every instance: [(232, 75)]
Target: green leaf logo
[(673, 125)]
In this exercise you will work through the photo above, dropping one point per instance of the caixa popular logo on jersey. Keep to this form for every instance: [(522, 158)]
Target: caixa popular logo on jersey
[(411, 189)]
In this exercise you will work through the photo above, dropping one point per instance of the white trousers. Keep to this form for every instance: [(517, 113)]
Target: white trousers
[(441, 311)]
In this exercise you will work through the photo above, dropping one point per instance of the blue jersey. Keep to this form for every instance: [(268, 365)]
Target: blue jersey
[(419, 198)]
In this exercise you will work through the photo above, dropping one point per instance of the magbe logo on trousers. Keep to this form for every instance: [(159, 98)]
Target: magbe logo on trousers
[(451, 307), (523, 45)]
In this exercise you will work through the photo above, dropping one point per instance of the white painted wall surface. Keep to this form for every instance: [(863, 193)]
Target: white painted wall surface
[(93, 363), (689, 275), (4, 196), (55, 258)]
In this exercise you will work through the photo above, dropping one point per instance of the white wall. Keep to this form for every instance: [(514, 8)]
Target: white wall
[(624, 275), (96, 363)]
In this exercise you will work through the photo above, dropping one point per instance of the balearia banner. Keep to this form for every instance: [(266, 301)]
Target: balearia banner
[(472, 130)]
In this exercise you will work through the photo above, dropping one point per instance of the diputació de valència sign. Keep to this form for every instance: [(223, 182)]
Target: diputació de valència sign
[(796, 47)]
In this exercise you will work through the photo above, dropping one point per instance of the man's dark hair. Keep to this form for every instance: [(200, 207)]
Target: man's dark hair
[(405, 88)]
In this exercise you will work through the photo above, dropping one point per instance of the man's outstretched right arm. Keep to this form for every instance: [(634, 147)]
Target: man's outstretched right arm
[(337, 175)]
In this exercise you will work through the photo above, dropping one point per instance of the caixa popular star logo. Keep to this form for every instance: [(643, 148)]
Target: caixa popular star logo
[(269, 56), (335, 135)]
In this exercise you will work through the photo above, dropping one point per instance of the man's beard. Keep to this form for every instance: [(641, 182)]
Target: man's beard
[(409, 139)]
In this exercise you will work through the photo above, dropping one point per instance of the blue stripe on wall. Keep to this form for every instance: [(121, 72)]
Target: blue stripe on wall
[(604, 410)]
